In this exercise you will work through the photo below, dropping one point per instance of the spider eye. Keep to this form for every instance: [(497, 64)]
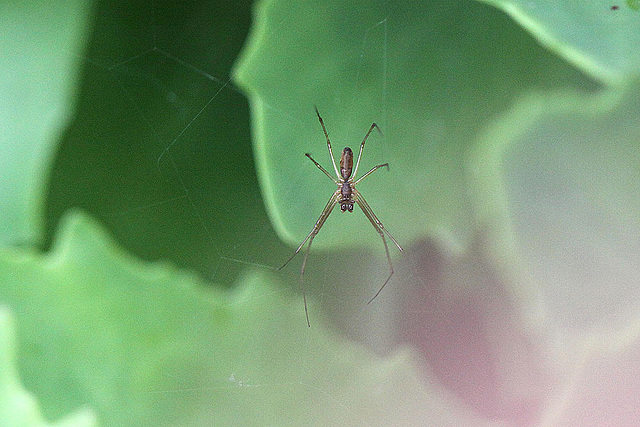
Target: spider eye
[(343, 207), (350, 207)]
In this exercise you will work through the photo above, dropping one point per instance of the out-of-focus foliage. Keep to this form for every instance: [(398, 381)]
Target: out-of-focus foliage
[(39, 57), (512, 140), (147, 345)]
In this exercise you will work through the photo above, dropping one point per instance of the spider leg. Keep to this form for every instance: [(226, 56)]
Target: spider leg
[(386, 248), (304, 265), (324, 129), (316, 228), (373, 169), (381, 230), (373, 125), (373, 218), (320, 167)]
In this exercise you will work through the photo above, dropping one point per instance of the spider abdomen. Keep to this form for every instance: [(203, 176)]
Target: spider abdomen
[(346, 163)]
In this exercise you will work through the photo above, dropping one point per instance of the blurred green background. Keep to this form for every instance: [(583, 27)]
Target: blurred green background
[(196, 201), (153, 178)]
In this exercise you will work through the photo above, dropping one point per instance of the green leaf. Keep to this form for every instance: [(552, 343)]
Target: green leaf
[(160, 148), (148, 345), (39, 45), (17, 406), (565, 212), (595, 36), (431, 75)]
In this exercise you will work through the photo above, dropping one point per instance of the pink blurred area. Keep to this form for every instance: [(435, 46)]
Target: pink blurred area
[(510, 366)]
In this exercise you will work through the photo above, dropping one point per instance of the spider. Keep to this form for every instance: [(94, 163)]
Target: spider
[(346, 195)]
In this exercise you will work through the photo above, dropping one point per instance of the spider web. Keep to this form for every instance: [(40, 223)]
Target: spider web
[(176, 130), (158, 113), (172, 110), (161, 154)]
